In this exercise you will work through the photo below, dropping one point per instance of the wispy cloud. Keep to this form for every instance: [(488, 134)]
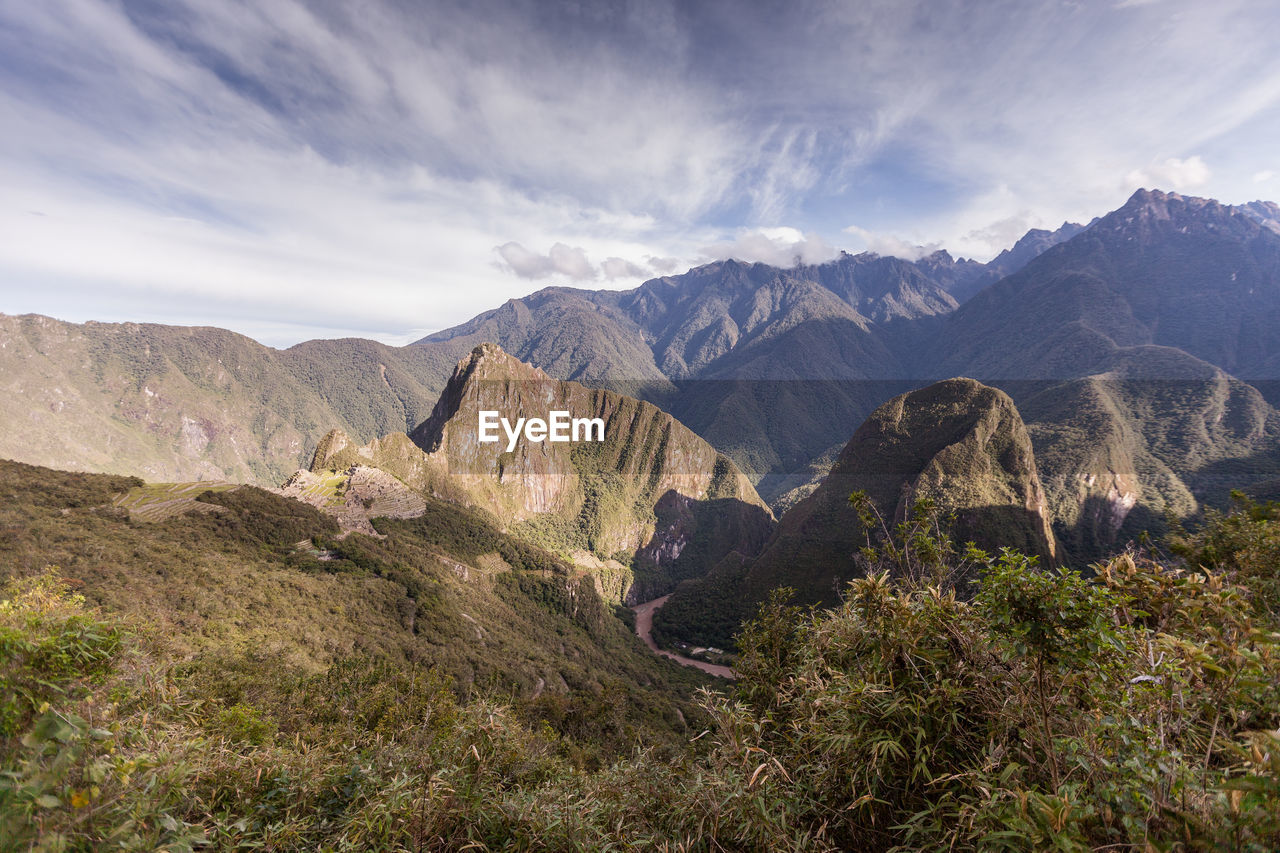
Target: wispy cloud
[(893, 246), (781, 247), (323, 166), (1173, 173)]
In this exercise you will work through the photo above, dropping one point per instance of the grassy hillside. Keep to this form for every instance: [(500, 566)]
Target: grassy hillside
[(174, 403), (1136, 710), (256, 585)]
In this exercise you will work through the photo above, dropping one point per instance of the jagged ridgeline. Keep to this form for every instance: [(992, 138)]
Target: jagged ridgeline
[(647, 506), (958, 443)]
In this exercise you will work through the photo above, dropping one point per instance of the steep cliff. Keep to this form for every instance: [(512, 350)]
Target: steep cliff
[(649, 500), (959, 443)]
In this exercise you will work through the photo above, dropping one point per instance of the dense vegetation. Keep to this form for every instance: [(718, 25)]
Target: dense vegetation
[(264, 589), (1136, 709)]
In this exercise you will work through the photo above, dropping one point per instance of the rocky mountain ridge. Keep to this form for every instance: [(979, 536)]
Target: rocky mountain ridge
[(651, 502), (769, 366), (958, 444)]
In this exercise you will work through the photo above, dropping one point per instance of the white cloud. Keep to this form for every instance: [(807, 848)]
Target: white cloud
[(362, 161), (569, 261), (1002, 233), (891, 246), (780, 247), (350, 167), (1172, 174), (524, 263), (662, 266), (615, 268), (1263, 176)]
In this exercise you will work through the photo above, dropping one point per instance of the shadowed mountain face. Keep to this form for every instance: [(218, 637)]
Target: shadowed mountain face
[(1178, 272), (957, 443), (1125, 348), (680, 327), (1158, 432)]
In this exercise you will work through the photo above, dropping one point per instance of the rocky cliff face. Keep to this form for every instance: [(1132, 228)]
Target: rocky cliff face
[(651, 493), (959, 443)]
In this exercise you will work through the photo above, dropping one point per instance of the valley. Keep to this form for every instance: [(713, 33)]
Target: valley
[(644, 630), (793, 490)]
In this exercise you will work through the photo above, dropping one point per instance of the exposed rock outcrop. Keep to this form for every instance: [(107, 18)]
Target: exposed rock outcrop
[(957, 442), (651, 500)]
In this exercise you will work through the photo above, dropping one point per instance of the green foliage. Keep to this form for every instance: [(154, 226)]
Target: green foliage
[(707, 611), (1134, 709), (50, 648), (768, 642), (917, 549), (1051, 712), (1244, 542), (235, 597)]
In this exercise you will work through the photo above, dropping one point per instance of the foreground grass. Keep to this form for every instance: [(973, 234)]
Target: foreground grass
[(1135, 710)]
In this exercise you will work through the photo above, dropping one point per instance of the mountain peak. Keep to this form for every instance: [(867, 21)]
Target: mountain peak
[(489, 361), (333, 443), (1183, 214), (1142, 195), (485, 363), (1162, 205)]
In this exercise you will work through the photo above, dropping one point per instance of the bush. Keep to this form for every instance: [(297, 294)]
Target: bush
[(50, 648), (1057, 712)]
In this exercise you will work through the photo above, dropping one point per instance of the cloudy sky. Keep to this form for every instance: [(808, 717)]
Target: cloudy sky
[(381, 168)]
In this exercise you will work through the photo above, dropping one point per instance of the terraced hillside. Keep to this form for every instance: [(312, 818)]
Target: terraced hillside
[(159, 501)]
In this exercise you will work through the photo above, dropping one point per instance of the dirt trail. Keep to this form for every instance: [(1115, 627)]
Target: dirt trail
[(644, 628)]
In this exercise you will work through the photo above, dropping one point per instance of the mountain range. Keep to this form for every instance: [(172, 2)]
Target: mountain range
[(1141, 351)]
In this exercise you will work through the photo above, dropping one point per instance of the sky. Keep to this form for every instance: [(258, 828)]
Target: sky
[(385, 168)]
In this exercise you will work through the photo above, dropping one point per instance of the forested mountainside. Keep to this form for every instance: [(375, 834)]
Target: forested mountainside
[(645, 506), (957, 447), (179, 403)]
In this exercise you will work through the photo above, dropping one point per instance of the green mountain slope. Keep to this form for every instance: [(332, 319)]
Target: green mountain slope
[(1125, 347), (647, 506), (958, 443), (1160, 432), (178, 403), (257, 588)]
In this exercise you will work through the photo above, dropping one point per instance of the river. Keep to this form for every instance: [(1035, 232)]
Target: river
[(644, 629)]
